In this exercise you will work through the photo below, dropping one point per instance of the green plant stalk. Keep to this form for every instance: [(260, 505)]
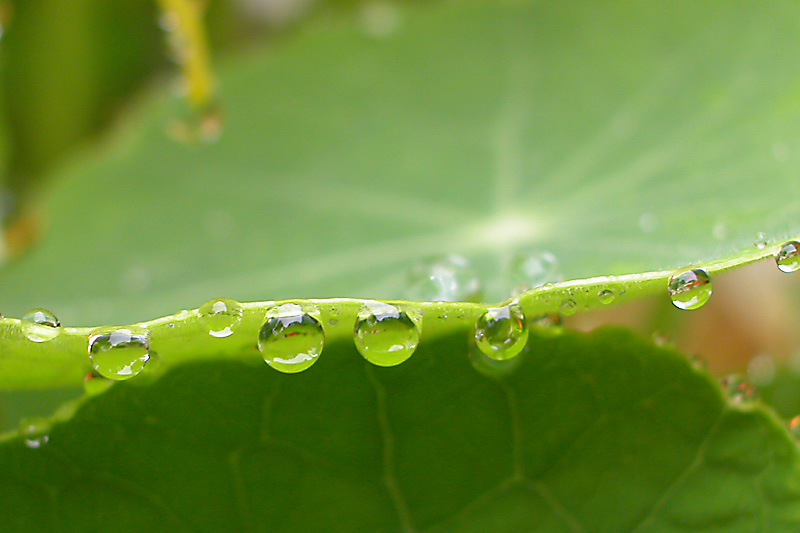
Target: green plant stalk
[(179, 338)]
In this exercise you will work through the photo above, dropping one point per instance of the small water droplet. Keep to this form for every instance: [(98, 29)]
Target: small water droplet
[(788, 257), (569, 307), (443, 279), (119, 353), (760, 241), (690, 289), (501, 332), (606, 296), (291, 338), (41, 325), (531, 269), (386, 335), (34, 431), (221, 316), (94, 383), (738, 389)]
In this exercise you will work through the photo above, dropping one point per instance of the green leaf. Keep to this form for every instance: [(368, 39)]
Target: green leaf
[(621, 144), (600, 432)]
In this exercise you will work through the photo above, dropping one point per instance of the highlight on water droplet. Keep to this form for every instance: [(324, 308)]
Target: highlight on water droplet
[(738, 389), (385, 334), (443, 279), (34, 431), (40, 325), (119, 353), (291, 338), (690, 289), (501, 332), (220, 317), (606, 296), (530, 269), (760, 241), (788, 257)]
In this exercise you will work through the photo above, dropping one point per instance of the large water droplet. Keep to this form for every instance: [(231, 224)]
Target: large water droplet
[(443, 279), (690, 289), (119, 353), (291, 338), (788, 257), (34, 431), (501, 332), (41, 325), (386, 335), (221, 316), (531, 269)]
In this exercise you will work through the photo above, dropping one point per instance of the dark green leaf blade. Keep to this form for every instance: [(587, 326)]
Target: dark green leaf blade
[(591, 432)]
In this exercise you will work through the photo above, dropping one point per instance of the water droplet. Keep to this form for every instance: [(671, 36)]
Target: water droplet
[(760, 241), (606, 296), (291, 338), (788, 257), (443, 279), (386, 335), (34, 431), (41, 325), (690, 289), (738, 389), (94, 384), (221, 316), (569, 307), (528, 270), (119, 353), (501, 332)]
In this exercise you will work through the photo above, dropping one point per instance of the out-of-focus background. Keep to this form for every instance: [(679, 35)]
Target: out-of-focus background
[(71, 69)]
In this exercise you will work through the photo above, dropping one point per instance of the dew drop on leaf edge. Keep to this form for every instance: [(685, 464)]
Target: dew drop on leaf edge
[(386, 335), (501, 332), (220, 317), (738, 389), (119, 353), (291, 338), (788, 257), (690, 289), (40, 325)]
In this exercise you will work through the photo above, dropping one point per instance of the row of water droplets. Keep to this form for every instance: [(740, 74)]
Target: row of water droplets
[(690, 289), (292, 335)]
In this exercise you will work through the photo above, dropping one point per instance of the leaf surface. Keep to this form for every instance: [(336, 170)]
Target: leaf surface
[(620, 138), (599, 432)]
